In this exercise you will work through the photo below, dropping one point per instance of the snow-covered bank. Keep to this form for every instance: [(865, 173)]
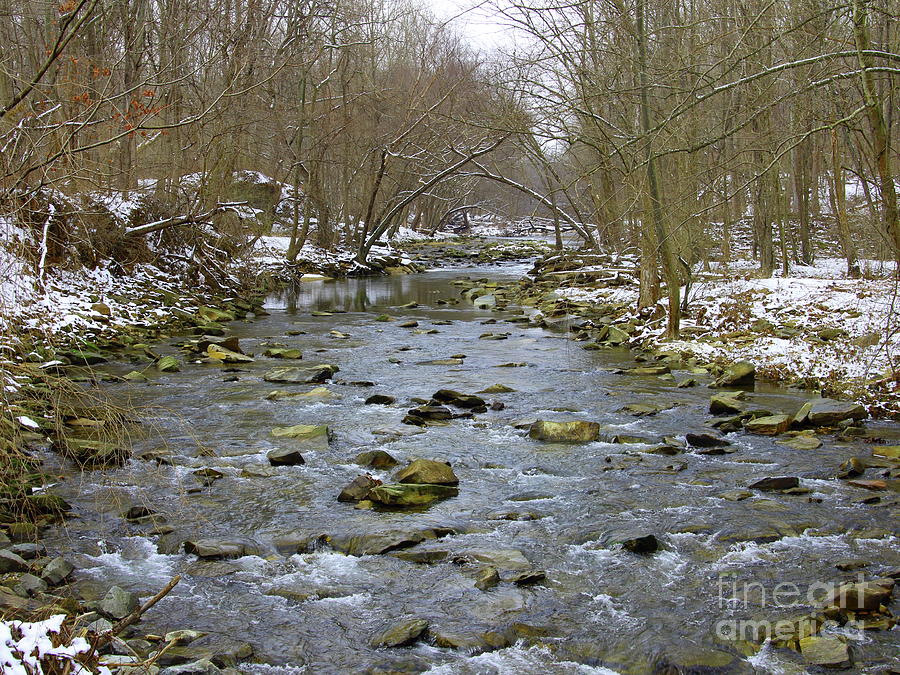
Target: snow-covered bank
[(814, 328)]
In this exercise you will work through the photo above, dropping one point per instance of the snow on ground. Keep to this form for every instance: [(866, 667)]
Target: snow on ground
[(814, 323)]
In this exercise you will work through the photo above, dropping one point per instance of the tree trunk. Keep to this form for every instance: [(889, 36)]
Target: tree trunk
[(838, 205), (880, 139)]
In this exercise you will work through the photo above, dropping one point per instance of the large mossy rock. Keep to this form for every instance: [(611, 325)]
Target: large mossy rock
[(313, 436), (302, 375), (740, 374), (564, 432), (401, 633), (411, 494), (427, 471), (827, 412)]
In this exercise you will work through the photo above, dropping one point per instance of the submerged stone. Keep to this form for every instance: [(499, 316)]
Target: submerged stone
[(565, 432), (400, 634), (411, 494), (302, 375), (315, 436)]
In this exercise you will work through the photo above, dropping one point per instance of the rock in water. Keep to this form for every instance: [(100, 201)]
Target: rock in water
[(315, 394), (740, 374), (565, 432), (825, 651), (376, 459), (645, 543), (358, 489), (497, 389), (220, 549), (726, 404), (380, 399), (776, 483), (411, 494), (314, 436), (282, 353), (401, 634), (826, 412), (117, 604), (458, 399), (285, 457), (866, 596), (302, 375), (487, 578), (770, 425), (706, 441), (427, 471), (225, 355)]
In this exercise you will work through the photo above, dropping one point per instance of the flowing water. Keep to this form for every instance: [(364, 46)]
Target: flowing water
[(600, 609)]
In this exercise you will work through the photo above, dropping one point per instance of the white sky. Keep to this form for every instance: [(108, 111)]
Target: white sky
[(478, 22)]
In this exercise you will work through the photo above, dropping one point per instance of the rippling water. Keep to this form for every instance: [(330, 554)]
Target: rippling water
[(601, 609)]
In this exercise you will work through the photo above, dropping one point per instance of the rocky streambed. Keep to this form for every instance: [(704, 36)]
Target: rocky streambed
[(407, 474)]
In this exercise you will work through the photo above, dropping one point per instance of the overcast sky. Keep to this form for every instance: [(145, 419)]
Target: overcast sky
[(480, 24)]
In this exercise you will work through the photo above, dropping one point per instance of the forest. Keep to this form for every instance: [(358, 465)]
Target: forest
[(616, 293)]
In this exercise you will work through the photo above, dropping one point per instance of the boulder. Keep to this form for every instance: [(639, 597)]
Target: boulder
[(825, 651), (770, 425), (565, 432), (221, 549), (225, 355), (427, 471), (706, 441), (380, 399), (285, 457), (866, 596), (826, 412), (441, 362), (801, 442), (301, 375), (313, 436), (10, 562), (726, 403), (57, 571), (315, 394), (378, 543), (776, 483), (117, 604), (283, 353), (455, 398), (641, 543), (496, 389), (376, 459), (400, 634), (740, 374), (411, 494), (30, 586), (358, 489), (427, 414), (486, 578)]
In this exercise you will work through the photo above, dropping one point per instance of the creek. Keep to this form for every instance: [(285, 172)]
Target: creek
[(600, 609)]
